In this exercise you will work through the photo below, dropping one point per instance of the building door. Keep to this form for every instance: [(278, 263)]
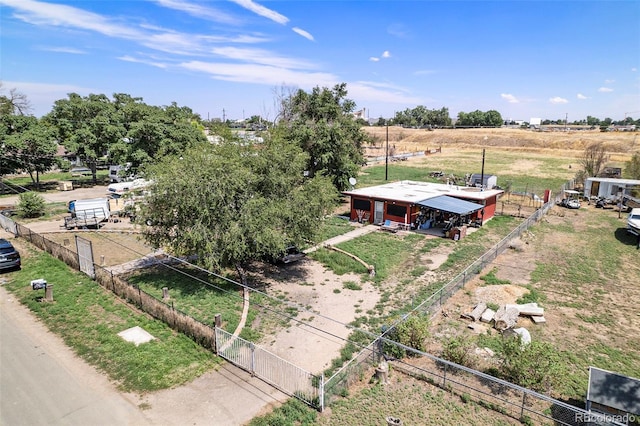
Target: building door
[(595, 189), (378, 213)]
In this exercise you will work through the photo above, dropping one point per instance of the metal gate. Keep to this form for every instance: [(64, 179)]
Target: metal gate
[(85, 256), (274, 370)]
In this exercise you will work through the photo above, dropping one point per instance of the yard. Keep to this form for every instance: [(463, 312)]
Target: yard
[(581, 265)]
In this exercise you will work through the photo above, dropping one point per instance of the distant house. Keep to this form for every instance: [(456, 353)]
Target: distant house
[(417, 204)]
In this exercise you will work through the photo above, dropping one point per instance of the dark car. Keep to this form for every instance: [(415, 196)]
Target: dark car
[(9, 256)]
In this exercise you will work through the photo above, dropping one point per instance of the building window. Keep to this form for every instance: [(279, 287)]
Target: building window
[(394, 210), (361, 205)]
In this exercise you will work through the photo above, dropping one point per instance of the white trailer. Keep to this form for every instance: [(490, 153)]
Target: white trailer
[(609, 189), (87, 213)]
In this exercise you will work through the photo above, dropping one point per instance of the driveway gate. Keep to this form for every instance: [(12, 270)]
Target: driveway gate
[(274, 370)]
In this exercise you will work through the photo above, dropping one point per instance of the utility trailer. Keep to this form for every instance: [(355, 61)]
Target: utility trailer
[(87, 213)]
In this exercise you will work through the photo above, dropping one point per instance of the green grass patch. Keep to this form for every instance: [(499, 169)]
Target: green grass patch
[(491, 279), (352, 285), (201, 297), (88, 318)]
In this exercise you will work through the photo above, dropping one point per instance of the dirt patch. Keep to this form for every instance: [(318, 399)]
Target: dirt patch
[(330, 302)]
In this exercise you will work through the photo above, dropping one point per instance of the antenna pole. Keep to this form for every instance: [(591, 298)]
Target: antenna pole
[(386, 161), (482, 173)]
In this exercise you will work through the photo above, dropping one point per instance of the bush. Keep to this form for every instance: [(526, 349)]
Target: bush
[(458, 349), (537, 366), (31, 204), (412, 332)]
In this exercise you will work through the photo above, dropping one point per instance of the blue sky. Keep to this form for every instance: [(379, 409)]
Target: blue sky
[(548, 59)]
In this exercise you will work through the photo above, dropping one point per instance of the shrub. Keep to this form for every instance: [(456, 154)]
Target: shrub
[(412, 332), (31, 204), (537, 366), (458, 349)]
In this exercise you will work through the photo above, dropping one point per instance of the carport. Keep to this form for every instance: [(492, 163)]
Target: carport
[(447, 212)]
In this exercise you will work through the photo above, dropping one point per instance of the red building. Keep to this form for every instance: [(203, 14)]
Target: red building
[(421, 205)]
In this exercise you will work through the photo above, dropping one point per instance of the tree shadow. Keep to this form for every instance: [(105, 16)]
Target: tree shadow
[(626, 238)]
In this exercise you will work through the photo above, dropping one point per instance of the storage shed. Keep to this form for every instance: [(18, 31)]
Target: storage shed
[(486, 181), (609, 188)]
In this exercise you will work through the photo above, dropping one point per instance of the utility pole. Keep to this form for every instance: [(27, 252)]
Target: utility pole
[(566, 117), (386, 161)]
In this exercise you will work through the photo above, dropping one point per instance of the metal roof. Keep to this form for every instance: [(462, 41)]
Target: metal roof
[(414, 191), (614, 390), (450, 204)]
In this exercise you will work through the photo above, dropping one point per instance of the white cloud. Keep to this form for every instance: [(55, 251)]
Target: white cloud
[(71, 50), (609, 81), (261, 74), (261, 56), (303, 33), (199, 11), (386, 54), (605, 90), (262, 11), (581, 96), (558, 100), (40, 13), (374, 59), (398, 30), (509, 98), (128, 58), (634, 69)]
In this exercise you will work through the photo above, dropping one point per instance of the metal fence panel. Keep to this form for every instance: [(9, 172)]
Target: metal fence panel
[(85, 256), (267, 366)]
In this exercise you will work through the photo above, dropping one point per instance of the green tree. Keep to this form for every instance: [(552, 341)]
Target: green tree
[(632, 167), (31, 204), (27, 145), (86, 126), (231, 203), (322, 124), (412, 332)]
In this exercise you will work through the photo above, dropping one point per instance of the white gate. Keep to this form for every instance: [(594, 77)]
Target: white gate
[(85, 256), (274, 370)]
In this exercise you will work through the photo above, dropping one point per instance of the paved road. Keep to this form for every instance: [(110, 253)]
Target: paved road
[(43, 383)]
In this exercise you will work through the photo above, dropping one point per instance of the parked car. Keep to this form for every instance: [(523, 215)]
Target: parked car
[(9, 256), (289, 255)]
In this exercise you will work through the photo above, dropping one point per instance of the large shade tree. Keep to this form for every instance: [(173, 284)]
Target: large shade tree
[(323, 125), (231, 203), (123, 130), (86, 126), (27, 145)]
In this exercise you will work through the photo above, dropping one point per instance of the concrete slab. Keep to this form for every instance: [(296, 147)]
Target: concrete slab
[(136, 335)]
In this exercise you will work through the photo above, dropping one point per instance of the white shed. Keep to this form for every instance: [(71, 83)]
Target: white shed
[(609, 188), (489, 181)]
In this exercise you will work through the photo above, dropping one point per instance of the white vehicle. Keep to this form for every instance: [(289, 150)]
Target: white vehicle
[(118, 173), (633, 222), (119, 189), (87, 213)]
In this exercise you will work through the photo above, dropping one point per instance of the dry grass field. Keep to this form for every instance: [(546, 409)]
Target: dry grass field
[(619, 145)]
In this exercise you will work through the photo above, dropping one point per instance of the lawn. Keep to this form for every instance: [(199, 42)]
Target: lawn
[(89, 319)]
